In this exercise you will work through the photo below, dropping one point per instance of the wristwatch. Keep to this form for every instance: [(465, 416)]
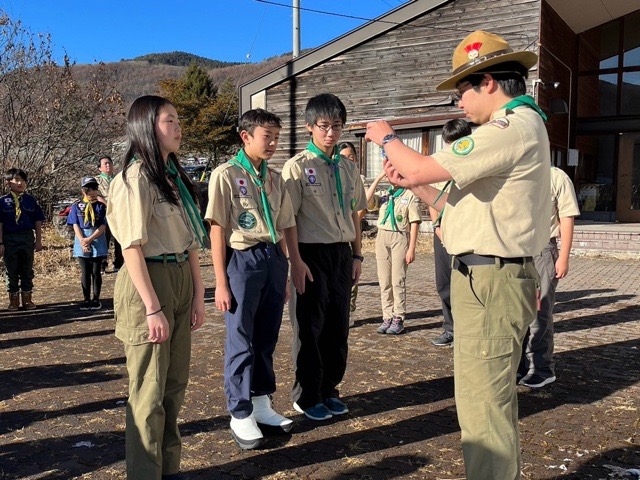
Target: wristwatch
[(358, 257), (389, 137)]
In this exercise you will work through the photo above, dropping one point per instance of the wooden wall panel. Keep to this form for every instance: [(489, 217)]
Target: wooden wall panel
[(394, 75)]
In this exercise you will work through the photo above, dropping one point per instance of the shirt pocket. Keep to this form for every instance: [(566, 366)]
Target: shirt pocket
[(313, 190), (166, 211)]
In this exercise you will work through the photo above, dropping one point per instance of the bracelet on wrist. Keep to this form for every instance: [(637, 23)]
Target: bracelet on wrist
[(358, 257), (156, 312)]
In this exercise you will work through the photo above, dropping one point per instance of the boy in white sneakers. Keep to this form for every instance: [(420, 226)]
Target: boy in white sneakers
[(248, 209)]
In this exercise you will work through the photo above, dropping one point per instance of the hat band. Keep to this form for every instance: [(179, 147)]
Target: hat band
[(478, 60)]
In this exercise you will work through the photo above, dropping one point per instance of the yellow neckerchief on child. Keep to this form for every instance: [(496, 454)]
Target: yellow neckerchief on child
[(16, 200), (89, 214)]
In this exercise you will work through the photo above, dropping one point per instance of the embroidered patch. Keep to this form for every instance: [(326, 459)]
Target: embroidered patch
[(311, 175), (243, 190), (247, 220), (241, 182), (399, 218), (462, 146), (499, 122)]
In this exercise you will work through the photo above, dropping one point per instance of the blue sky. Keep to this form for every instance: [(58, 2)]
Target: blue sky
[(227, 30)]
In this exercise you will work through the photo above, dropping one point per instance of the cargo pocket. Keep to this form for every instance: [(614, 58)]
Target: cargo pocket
[(484, 368), (521, 301)]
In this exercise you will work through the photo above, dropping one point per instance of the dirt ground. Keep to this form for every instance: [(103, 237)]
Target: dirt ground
[(63, 388)]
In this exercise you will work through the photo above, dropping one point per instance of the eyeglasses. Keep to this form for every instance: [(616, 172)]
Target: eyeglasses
[(456, 97), (326, 128)]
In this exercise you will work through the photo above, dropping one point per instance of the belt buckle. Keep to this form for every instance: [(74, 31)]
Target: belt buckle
[(181, 257)]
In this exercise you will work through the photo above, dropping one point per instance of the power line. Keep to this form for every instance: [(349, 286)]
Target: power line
[(353, 17)]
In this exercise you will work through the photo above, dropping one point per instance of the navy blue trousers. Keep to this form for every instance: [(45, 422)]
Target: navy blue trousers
[(258, 281)]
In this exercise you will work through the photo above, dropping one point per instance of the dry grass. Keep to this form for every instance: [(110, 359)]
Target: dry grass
[(56, 257)]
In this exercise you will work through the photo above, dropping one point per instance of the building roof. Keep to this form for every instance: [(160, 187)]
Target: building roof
[(378, 26)]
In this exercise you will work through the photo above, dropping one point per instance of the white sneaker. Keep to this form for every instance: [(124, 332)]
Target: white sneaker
[(265, 415), (246, 433)]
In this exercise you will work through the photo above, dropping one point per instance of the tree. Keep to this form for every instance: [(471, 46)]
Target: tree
[(207, 113), (51, 126)]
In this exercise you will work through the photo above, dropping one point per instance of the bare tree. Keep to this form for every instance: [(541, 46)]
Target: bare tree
[(51, 126)]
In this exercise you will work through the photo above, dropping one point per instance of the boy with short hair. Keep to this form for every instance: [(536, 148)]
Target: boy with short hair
[(20, 216), (248, 209), (325, 252)]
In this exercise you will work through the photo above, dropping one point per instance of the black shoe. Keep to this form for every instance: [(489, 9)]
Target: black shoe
[(443, 340), (95, 305), (86, 305), (534, 380)]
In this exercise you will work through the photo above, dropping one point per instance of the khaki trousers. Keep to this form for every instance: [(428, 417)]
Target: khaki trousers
[(391, 252), (158, 373), (493, 305)]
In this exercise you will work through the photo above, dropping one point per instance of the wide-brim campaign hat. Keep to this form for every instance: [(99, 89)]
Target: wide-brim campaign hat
[(480, 50)]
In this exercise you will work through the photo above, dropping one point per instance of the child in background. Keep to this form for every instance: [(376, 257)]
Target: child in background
[(20, 217), (348, 149), (451, 131), (398, 224), (325, 253), (249, 208), (88, 218)]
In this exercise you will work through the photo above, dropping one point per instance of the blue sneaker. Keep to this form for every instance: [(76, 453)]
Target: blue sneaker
[(318, 412), (335, 406)]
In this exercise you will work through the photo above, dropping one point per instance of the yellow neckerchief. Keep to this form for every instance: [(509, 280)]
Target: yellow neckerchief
[(89, 214), (16, 200)]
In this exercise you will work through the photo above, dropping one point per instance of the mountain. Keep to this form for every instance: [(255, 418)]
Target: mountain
[(140, 76)]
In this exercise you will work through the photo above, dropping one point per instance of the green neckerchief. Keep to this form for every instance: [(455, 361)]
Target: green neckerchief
[(108, 178), (436, 222), (391, 207), (526, 101), (334, 163), (242, 161), (189, 205)]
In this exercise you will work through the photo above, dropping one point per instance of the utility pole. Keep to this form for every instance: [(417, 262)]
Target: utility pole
[(296, 28)]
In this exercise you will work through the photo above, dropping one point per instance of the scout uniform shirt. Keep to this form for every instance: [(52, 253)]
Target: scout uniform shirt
[(499, 204), (563, 200), (406, 208), (138, 214), (234, 204), (30, 213), (312, 186)]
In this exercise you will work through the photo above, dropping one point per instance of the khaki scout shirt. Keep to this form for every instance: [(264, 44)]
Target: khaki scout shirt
[(563, 200), (138, 214), (499, 204), (406, 209), (312, 186), (235, 205), (103, 186)]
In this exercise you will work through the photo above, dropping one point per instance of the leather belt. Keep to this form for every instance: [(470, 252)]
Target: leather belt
[(462, 262)]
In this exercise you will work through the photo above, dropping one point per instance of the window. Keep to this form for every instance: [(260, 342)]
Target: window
[(411, 138)]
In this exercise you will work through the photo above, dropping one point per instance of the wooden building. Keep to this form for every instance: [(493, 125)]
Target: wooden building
[(587, 79)]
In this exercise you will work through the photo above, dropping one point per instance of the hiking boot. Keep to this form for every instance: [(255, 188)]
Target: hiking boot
[(335, 406), (443, 340), (246, 433), (14, 302), (26, 301), (265, 415), (384, 326), (397, 326), (318, 412), (533, 380)]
